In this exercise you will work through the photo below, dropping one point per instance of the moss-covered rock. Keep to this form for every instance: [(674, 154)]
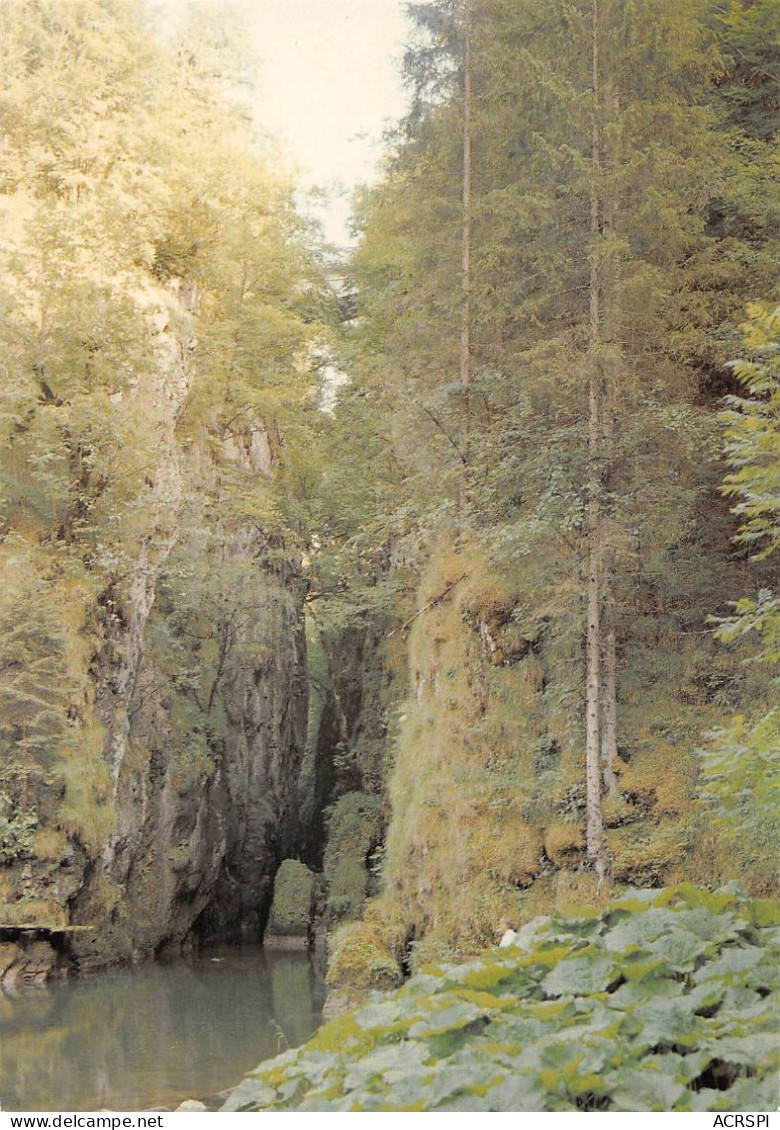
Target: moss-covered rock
[(359, 959), (645, 856), (354, 831), (293, 901), (30, 962), (616, 811), (564, 843), (509, 846), (8, 955)]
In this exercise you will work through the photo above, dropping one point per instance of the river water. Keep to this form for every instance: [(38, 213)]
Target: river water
[(154, 1034)]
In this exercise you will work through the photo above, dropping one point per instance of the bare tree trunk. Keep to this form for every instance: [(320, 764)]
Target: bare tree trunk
[(611, 315), (609, 660), (594, 831), (594, 836), (465, 317)]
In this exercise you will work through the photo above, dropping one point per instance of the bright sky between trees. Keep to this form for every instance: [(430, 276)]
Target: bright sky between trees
[(330, 86)]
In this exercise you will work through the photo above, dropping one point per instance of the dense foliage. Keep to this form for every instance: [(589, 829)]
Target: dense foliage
[(661, 1002), (613, 167), (159, 308), (741, 761), (536, 514), (752, 423)]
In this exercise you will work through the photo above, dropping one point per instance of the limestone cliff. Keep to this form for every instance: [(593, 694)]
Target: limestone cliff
[(187, 691), (160, 306)]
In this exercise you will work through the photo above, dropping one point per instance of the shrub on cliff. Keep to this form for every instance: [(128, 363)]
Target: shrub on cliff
[(354, 830), (291, 909), (661, 1002)]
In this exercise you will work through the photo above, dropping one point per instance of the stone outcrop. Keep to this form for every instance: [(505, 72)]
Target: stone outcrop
[(28, 961), (162, 394), (291, 921)]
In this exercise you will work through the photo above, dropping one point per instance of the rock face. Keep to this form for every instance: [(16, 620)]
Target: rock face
[(190, 720), (117, 666), (199, 850), (27, 960), (254, 788), (205, 797)]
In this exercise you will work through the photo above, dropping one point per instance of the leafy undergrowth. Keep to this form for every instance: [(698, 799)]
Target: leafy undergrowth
[(662, 1002)]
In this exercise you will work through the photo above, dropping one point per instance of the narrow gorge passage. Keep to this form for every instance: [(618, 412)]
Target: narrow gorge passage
[(388, 539)]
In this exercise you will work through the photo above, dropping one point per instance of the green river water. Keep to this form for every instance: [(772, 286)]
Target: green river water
[(152, 1035)]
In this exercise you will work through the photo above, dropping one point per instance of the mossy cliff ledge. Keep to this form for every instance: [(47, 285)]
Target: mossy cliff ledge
[(485, 791)]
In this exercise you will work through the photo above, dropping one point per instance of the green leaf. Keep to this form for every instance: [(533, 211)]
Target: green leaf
[(389, 1062), (680, 950), (638, 929), (651, 1089), (381, 1016), (445, 1016), (251, 1094), (731, 962), (589, 972), (636, 970), (669, 1021), (753, 1050), (748, 1094), (521, 1091), (764, 912)]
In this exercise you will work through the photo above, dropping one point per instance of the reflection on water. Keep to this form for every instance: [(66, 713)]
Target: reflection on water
[(130, 1039)]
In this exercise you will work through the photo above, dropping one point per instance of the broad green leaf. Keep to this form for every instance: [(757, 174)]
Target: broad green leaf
[(732, 961), (635, 992), (449, 1015), (520, 1091), (639, 968), (764, 912), (586, 973), (251, 1094), (758, 1094), (679, 948), (669, 1021), (380, 1016), (638, 929), (749, 1050), (486, 1000), (640, 1090)]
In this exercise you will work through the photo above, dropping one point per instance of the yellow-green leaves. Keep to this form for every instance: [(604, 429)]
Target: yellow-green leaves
[(567, 1029), (752, 435)]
